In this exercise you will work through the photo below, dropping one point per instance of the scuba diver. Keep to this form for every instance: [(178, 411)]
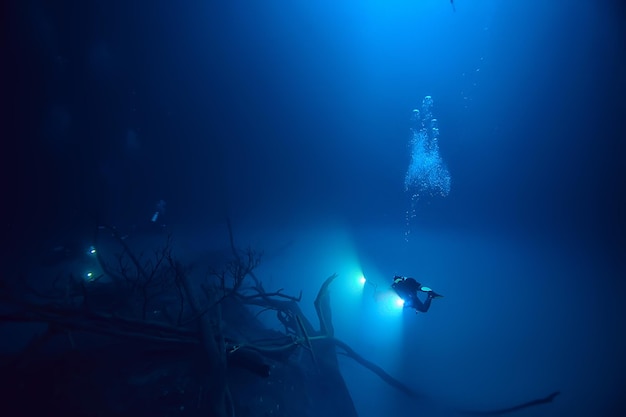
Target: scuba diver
[(407, 289)]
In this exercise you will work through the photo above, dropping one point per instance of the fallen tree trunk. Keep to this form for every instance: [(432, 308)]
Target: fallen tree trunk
[(247, 342), (220, 401)]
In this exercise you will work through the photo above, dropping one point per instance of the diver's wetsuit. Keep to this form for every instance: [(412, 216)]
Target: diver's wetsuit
[(407, 289)]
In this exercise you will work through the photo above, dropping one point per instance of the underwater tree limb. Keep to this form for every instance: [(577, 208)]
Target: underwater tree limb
[(322, 307), (278, 293), (204, 308), (76, 320), (155, 332), (33, 346), (115, 234), (406, 390), (380, 372), (216, 358), (533, 403), (290, 306), (307, 340)]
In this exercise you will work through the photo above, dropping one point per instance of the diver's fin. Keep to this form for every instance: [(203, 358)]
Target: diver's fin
[(433, 294)]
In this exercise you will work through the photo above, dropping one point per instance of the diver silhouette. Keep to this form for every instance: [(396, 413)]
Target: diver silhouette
[(407, 289)]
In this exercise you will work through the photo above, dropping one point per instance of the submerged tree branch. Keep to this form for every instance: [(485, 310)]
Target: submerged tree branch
[(322, 307), (204, 304), (533, 403), (380, 372)]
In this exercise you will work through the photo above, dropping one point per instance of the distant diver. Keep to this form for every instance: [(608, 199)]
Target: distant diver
[(160, 209), (453, 7), (407, 289)]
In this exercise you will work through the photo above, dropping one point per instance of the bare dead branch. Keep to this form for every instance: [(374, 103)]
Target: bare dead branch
[(322, 307)]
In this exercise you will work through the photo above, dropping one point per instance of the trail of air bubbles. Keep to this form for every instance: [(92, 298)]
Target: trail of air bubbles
[(427, 173)]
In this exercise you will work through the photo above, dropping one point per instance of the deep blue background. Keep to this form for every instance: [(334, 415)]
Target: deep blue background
[(279, 113), (259, 108)]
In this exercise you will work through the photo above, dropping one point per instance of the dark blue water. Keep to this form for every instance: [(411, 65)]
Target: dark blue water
[(294, 119)]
